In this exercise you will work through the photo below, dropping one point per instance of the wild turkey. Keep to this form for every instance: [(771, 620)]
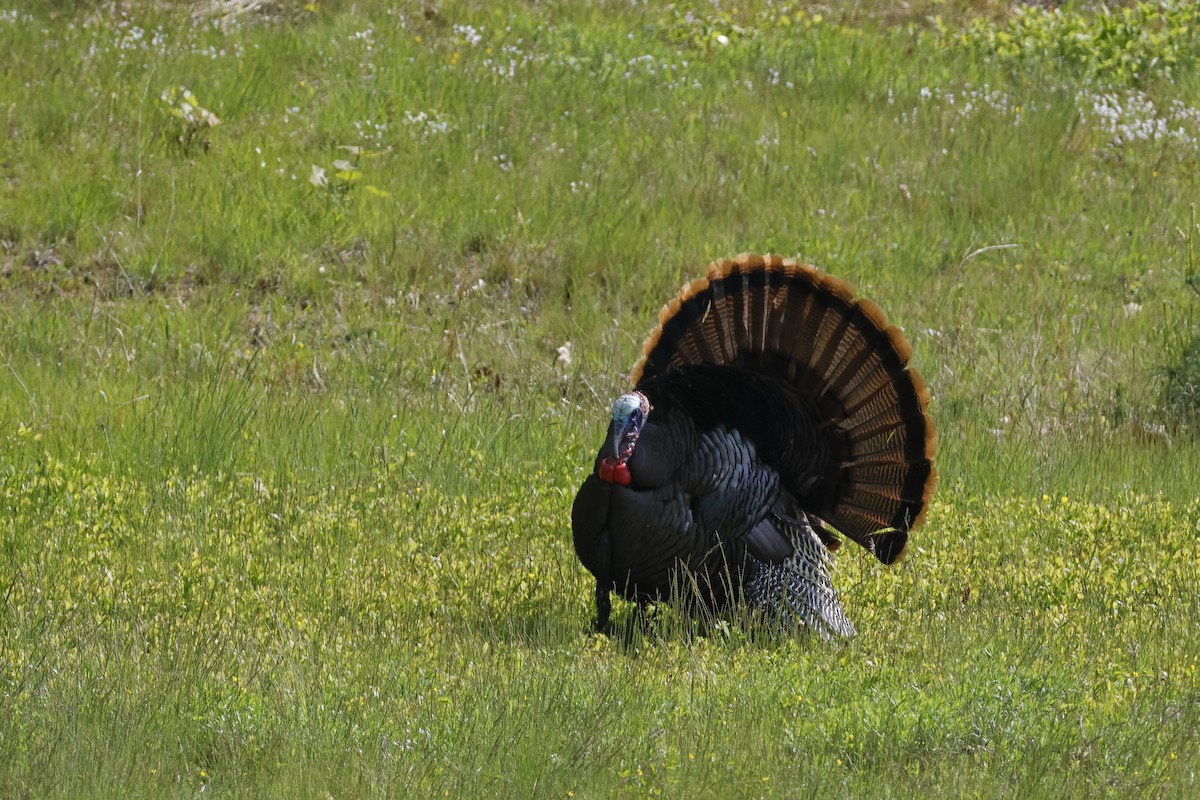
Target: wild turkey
[(771, 408)]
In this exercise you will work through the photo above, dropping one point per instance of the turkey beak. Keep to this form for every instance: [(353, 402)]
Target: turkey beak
[(616, 440), (624, 437)]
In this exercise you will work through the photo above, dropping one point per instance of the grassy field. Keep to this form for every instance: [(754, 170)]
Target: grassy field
[(310, 316)]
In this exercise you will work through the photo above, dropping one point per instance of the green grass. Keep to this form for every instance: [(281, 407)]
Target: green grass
[(286, 466)]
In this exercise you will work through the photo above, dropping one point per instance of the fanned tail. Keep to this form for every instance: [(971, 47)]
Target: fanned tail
[(846, 369)]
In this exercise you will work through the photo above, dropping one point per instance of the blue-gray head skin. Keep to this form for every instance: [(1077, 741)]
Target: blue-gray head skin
[(629, 414)]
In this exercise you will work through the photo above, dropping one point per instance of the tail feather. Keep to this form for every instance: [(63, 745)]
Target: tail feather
[(723, 315), (780, 310), (847, 367)]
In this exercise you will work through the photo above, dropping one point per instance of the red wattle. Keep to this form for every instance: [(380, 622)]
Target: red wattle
[(615, 472)]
